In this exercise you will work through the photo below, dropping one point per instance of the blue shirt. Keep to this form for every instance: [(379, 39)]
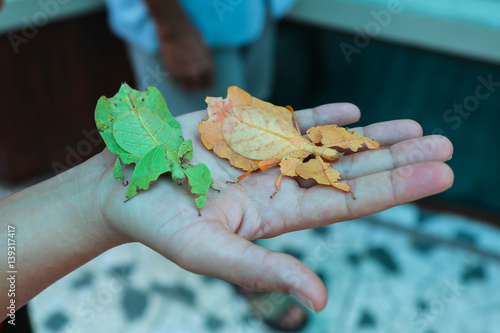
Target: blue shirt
[(222, 23)]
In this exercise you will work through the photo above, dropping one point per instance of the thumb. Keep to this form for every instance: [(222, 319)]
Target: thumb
[(223, 254)]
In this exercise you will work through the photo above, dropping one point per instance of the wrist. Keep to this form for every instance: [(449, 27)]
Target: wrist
[(81, 191), (59, 226), (100, 191)]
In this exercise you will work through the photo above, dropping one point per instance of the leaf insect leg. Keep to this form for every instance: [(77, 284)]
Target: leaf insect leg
[(215, 189), (277, 183), (243, 176), (263, 165)]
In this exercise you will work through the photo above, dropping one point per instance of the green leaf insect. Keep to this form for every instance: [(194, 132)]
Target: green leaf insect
[(138, 127)]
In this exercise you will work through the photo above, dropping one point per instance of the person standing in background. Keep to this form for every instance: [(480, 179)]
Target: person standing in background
[(189, 49)]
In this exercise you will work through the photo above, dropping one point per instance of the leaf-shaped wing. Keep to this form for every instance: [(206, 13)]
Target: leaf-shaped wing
[(259, 135), (153, 100), (334, 136), (126, 100), (149, 168), (211, 131), (212, 137), (200, 180), (128, 97), (238, 97), (141, 130), (104, 118)]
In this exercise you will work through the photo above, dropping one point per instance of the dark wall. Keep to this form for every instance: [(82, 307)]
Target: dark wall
[(390, 82), (49, 90)]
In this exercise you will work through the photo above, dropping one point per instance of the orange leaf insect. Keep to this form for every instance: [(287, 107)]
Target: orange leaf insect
[(257, 135)]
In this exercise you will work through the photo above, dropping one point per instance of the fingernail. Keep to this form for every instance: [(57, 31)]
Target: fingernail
[(302, 299), (450, 158)]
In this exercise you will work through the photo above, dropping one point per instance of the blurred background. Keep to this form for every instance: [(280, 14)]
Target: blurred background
[(430, 267)]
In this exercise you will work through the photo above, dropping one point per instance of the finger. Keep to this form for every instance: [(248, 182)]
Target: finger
[(206, 79), (188, 80), (183, 82), (339, 114), (201, 75), (198, 78), (208, 74), (389, 132), (192, 81), (322, 205), (413, 151), (234, 259)]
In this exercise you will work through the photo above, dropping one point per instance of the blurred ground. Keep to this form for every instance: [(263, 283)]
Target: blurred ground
[(407, 269)]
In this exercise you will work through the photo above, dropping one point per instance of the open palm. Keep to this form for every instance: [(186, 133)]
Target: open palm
[(219, 242)]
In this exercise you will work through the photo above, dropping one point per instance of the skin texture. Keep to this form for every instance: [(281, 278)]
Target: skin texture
[(185, 55), (66, 221)]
